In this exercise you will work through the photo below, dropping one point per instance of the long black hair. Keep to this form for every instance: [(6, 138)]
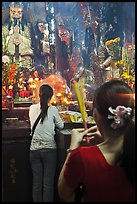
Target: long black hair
[(45, 94), (115, 93)]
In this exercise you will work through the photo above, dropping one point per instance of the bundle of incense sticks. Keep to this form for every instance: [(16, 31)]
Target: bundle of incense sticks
[(79, 91)]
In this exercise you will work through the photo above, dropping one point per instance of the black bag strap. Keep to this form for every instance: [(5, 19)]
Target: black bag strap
[(35, 124)]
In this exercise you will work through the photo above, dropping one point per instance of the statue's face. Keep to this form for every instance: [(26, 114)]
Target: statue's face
[(16, 12)]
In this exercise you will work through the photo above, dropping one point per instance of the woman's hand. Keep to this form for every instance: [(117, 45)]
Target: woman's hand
[(94, 135), (80, 134)]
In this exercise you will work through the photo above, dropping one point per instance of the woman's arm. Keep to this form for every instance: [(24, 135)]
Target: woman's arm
[(58, 121), (66, 192)]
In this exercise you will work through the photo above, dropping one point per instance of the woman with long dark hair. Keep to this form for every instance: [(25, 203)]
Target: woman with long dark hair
[(106, 170), (43, 152)]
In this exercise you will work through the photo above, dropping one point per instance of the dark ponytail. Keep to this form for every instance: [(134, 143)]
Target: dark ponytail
[(128, 160), (45, 94)]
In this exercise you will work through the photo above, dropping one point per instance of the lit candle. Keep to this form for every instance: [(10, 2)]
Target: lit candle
[(36, 79), (10, 87), (30, 80), (58, 94)]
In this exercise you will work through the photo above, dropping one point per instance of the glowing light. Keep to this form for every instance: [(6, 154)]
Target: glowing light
[(30, 80), (21, 79), (58, 94), (10, 87), (36, 79)]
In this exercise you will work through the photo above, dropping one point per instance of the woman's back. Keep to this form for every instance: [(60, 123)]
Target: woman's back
[(102, 181), (44, 132)]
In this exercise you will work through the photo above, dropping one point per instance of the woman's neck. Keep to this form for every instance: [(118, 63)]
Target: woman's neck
[(114, 141), (112, 148)]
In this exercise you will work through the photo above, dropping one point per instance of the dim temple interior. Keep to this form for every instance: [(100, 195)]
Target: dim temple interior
[(72, 46)]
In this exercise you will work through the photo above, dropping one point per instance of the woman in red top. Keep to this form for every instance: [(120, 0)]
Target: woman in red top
[(106, 170)]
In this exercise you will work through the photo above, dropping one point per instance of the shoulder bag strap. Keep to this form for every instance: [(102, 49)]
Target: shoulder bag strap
[(35, 124)]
